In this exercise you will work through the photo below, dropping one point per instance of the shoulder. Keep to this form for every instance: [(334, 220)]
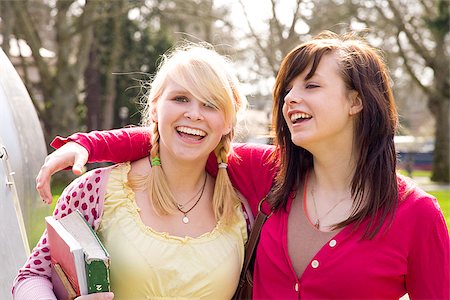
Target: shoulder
[(417, 203), (251, 153), (85, 193), (92, 180), (409, 191), (140, 167), (252, 148)]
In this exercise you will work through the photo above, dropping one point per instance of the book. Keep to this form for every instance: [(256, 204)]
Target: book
[(77, 251), (62, 287)]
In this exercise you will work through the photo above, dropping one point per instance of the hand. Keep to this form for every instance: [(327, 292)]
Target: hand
[(97, 296), (71, 154)]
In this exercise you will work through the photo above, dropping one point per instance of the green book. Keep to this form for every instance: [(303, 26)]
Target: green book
[(79, 252)]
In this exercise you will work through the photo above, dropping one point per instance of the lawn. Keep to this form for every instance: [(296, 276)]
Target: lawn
[(443, 198)]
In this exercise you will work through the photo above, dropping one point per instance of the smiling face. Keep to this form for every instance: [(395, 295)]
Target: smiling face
[(193, 105), (189, 128), (318, 110)]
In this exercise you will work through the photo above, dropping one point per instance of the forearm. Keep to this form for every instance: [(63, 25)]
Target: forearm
[(34, 288), (118, 145), (250, 169)]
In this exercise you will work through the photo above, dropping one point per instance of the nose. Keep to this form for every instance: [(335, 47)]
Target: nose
[(292, 97), (194, 111)]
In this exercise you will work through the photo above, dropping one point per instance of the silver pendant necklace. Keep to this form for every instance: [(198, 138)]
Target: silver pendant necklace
[(185, 218)]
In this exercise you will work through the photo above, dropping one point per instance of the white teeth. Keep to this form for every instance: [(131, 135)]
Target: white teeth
[(296, 116), (191, 131)]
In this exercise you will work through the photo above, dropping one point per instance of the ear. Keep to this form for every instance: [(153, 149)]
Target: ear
[(356, 103), (154, 114), (227, 129)]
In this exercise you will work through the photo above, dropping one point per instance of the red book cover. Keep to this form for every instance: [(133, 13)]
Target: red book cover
[(65, 251)]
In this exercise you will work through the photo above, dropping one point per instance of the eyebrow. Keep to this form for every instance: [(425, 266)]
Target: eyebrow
[(179, 92), (317, 74)]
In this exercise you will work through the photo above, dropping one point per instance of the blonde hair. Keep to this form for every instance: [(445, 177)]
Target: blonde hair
[(208, 76)]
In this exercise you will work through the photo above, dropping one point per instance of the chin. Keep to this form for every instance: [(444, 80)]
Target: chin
[(300, 142)]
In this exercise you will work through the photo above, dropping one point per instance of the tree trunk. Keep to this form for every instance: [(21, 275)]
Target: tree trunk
[(116, 53), (93, 91), (441, 111)]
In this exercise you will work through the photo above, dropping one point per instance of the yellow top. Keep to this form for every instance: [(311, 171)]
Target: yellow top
[(146, 264)]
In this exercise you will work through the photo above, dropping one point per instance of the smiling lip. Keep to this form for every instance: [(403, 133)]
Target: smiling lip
[(298, 116), (191, 134)]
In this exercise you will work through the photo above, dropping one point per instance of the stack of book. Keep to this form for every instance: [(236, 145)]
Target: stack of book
[(80, 263)]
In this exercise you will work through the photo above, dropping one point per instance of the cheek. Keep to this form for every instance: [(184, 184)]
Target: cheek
[(285, 113), (217, 121), (222, 127)]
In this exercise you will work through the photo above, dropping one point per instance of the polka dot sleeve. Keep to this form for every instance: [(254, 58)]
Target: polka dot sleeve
[(86, 194)]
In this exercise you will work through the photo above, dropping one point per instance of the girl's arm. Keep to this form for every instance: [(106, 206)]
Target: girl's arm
[(113, 146), (118, 145), (85, 194), (250, 169)]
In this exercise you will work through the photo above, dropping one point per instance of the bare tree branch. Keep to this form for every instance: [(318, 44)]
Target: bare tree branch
[(83, 23), (426, 8), (264, 50), (85, 38), (408, 67), (295, 19), (275, 20), (421, 50), (30, 34)]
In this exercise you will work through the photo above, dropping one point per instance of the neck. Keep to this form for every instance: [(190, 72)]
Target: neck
[(334, 165), (332, 178), (183, 176), (330, 200)]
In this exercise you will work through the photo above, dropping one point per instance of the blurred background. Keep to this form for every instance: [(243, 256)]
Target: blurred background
[(83, 62)]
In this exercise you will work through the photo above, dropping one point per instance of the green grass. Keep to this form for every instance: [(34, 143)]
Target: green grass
[(443, 198), (38, 223), (417, 173)]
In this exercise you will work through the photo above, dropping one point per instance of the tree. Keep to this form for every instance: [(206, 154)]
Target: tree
[(421, 35), (118, 63), (90, 42), (58, 76)]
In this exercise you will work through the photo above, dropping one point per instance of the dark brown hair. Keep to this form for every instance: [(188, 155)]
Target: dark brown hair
[(374, 184)]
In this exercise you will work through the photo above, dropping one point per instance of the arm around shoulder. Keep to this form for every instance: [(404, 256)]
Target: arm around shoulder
[(118, 145)]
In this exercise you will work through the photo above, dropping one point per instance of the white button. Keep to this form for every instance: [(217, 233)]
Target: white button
[(315, 264), (332, 243), (296, 287)]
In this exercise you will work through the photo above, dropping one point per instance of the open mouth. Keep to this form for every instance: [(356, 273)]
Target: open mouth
[(300, 117), (191, 133)]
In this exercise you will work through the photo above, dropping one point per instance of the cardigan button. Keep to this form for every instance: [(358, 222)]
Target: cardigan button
[(332, 243), (296, 287), (315, 264)]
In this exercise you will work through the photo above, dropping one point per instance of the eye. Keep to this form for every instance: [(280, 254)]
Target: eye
[(311, 85), (209, 104), (180, 99)]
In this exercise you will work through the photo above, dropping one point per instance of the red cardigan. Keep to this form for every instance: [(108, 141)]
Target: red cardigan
[(412, 256)]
